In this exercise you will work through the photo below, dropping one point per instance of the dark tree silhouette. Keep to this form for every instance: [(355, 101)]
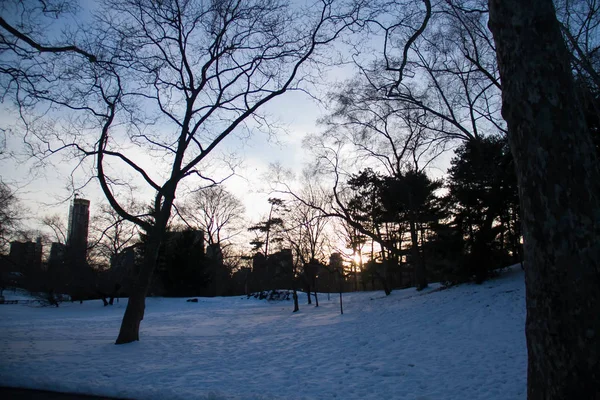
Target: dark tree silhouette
[(484, 201), (216, 211), (270, 230), (9, 214), (336, 266), (557, 169), (410, 198)]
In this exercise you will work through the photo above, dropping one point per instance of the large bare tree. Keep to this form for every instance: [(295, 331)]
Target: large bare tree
[(169, 81)]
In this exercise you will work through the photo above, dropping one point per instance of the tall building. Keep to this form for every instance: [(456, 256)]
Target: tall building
[(25, 257), (57, 255), (77, 235)]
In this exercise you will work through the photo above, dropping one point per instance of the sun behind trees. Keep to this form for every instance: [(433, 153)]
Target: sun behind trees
[(172, 79)]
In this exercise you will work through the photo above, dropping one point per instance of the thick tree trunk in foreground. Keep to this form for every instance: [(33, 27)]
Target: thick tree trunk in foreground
[(134, 313), (559, 182)]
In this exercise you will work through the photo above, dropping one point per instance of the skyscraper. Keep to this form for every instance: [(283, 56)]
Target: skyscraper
[(79, 217)]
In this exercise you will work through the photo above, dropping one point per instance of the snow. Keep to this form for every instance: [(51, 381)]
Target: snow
[(465, 342), (17, 294)]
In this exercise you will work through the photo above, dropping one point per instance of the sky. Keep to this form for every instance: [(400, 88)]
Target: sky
[(45, 191)]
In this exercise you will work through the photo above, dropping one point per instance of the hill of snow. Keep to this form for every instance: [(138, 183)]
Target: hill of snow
[(18, 294), (465, 342)]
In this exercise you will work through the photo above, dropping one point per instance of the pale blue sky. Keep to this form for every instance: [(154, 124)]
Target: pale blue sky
[(42, 190)]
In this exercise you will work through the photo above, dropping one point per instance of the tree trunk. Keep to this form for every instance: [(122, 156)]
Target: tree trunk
[(400, 274), (419, 265), (559, 181), (384, 274), (355, 272), (134, 313), (114, 294), (480, 256), (341, 290), (386, 288), (295, 296)]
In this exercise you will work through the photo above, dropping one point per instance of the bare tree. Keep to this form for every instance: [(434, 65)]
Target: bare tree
[(216, 211), (305, 232), (58, 227), (559, 182), (383, 133), (354, 240), (579, 23), (110, 234), (448, 90), (440, 58), (28, 46), (174, 79), (305, 227), (444, 78), (9, 214), (342, 205), (336, 266)]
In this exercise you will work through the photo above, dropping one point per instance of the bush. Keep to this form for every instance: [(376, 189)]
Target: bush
[(272, 295)]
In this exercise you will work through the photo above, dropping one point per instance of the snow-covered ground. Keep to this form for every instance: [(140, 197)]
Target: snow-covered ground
[(466, 342)]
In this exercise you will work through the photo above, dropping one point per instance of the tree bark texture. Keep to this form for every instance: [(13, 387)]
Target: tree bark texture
[(134, 313), (559, 182)]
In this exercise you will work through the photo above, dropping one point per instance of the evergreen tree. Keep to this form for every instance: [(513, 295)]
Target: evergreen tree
[(390, 206), (483, 199), (410, 199), (182, 268)]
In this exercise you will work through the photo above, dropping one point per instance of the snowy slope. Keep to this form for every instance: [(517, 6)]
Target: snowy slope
[(18, 294), (466, 342)]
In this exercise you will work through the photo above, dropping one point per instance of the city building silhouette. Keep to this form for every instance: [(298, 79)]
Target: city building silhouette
[(77, 234)]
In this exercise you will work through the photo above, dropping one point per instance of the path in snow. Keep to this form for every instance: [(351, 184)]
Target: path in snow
[(463, 342)]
